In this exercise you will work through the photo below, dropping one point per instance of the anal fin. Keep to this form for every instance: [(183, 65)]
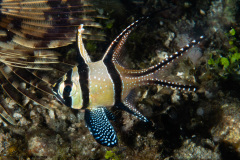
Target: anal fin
[(98, 124), (128, 105)]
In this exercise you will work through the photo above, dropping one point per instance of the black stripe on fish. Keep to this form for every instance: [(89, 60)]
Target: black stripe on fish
[(83, 72), (116, 79)]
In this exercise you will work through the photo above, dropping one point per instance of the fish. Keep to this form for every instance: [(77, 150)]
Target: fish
[(29, 31), (97, 86)]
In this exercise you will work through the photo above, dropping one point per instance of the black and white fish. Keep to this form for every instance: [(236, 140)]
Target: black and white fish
[(96, 86)]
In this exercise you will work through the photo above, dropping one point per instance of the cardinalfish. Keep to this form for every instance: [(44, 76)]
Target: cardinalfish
[(96, 86)]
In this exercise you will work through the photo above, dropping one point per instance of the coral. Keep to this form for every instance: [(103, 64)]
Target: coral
[(191, 150), (228, 129), (4, 143), (221, 14), (41, 146)]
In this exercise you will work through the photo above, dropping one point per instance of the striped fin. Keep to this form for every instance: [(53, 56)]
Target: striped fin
[(47, 76), (51, 72), (29, 60), (46, 23), (114, 50), (22, 57), (29, 78), (12, 92), (59, 67), (98, 124), (15, 88), (4, 113), (29, 66), (19, 85)]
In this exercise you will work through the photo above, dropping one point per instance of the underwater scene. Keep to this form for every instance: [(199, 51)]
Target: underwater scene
[(119, 79)]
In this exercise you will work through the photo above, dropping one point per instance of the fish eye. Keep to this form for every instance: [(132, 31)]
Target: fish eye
[(67, 89)]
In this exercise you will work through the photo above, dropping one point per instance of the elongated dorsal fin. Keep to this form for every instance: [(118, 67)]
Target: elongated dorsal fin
[(114, 50), (82, 50)]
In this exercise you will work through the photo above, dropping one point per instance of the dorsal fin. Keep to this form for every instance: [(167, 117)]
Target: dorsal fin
[(113, 51), (82, 50)]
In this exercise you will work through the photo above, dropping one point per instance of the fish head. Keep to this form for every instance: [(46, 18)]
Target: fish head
[(68, 89)]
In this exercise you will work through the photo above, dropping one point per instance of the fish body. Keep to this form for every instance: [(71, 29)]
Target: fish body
[(95, 86)]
